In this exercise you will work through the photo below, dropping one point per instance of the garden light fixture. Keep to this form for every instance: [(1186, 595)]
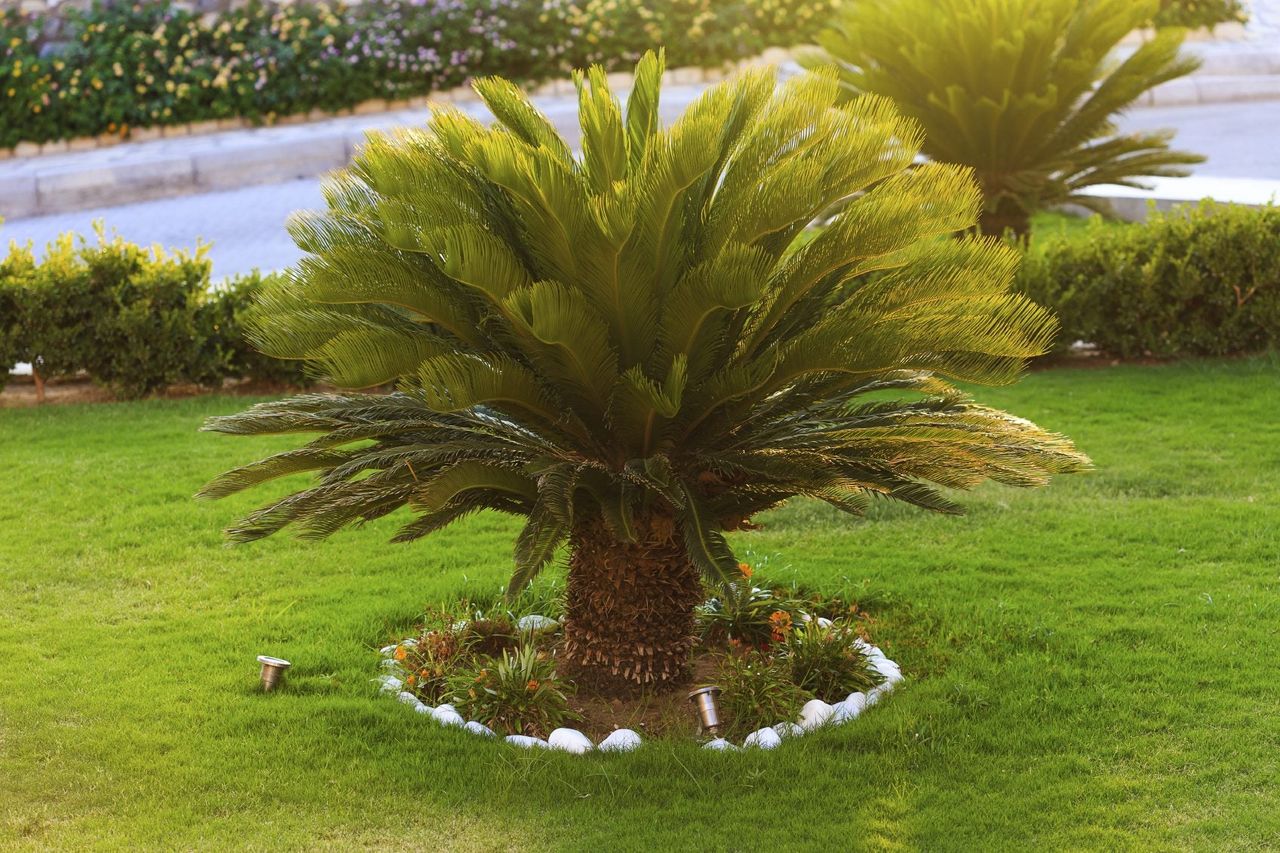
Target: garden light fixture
[(272, 671), (704, 699)]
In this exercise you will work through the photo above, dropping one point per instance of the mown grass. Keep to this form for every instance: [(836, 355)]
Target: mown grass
[(1092, 665)]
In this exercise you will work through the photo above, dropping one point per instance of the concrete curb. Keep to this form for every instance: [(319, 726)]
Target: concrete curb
[(1132, 205), (214, 156)]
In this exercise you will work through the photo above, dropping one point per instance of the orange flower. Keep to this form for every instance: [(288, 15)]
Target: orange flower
[(532, 685), (745, 569), (400, 653), (411, 680), (780, 622)]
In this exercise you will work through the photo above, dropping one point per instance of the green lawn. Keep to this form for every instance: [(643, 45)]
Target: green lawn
[(1093, 665)]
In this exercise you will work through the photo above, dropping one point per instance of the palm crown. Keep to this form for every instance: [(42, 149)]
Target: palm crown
[(1023, 91), (635, 348)]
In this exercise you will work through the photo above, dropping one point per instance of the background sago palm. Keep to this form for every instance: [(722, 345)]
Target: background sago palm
[(1022, 91), (633, 349)]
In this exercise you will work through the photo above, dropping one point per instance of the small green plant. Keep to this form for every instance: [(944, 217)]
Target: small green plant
[(518, 693), (746, 616), (432, 661), (825, 661), (491, 637), (756, 691)]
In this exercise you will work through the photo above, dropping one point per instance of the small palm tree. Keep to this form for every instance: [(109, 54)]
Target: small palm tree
[(1021, 91), (635, 349)]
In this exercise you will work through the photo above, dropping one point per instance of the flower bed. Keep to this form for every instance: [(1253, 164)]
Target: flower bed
[(781, 669), (149, 65)]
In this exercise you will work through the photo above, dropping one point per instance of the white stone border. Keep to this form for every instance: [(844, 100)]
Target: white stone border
[(815, 715)]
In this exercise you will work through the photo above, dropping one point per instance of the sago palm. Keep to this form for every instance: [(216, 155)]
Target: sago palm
[(634, 349), (1022, 91)]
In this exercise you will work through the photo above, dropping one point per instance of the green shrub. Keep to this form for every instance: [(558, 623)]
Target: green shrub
[(1200, 281), (1021, 91), (151, 64), (1200, 13), (518, 693), (825, 661), (757, 691), (134, 319), (221, 326)]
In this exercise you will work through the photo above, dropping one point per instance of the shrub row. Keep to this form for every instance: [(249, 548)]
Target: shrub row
[(1200, 13), (133, 319), (113, 68), (1199, 281)]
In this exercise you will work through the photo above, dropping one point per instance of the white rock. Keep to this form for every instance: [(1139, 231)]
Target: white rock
[(720, 744), (422, 708), (390, 663), (851, 707), (387, 650), (408, 698), (787, 730), (389, 683), (535, 622), (460, 625), (409, 643), (891, 671), (526, 742), (873, 696), (764, 738), (445, 716), (824, 622), (479, 729), (620, 740), (570, 740), (815, 713)]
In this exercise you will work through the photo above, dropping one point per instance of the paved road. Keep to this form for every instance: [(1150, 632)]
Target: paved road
[(246, 226)]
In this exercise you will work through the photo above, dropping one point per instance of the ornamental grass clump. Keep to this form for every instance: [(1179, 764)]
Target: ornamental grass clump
[(517, 693), (826, 661), (1024, 92), (629, 349)]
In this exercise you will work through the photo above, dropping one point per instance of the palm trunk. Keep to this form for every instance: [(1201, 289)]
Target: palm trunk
[(629, 621), (1007, 216)]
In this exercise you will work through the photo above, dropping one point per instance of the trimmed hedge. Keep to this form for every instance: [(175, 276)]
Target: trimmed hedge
[(1197, 281), (1200, 13), (134, 319), (110, 69)]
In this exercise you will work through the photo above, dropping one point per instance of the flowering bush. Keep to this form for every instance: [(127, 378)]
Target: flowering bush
[(151, 64)]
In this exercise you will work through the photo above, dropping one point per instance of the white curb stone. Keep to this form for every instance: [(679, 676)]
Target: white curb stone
[(424, 709), (815, 713), (535, 623), (570, 740), (788, 730), (721, 745), (479, 729), (447, 717), (526, 742), (390, 684), (764, 738), (621, 740), (407, 698)]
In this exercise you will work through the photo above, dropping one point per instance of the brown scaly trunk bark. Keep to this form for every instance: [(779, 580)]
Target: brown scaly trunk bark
[(39, 380), (629, 621), (1006, 217)]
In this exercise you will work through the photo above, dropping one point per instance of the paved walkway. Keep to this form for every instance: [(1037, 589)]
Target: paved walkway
[(246, 226)]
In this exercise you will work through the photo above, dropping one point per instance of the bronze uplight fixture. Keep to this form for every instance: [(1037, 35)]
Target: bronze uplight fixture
[(272, 671)]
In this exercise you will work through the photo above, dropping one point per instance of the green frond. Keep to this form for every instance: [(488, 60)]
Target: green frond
[(646, 329)]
